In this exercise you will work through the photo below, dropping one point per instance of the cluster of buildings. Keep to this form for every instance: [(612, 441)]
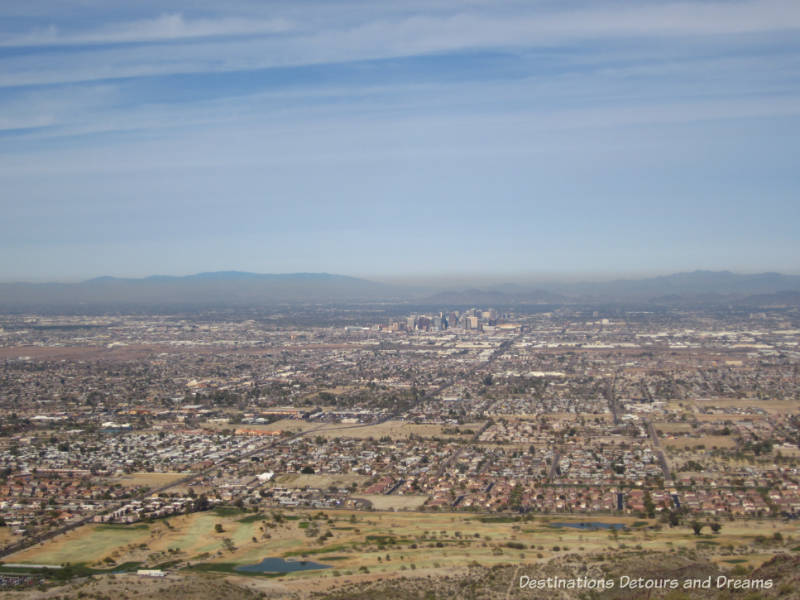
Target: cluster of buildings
[(472, 319), (567, 411)]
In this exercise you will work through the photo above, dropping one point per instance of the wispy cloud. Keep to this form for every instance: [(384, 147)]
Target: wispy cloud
[(166, 27), (305, 127), (33, 109), (376, 37)]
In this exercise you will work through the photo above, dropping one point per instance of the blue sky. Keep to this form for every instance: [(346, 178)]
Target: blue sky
[(388, 139)]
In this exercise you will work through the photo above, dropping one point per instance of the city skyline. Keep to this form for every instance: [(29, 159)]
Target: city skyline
[(375, 140)]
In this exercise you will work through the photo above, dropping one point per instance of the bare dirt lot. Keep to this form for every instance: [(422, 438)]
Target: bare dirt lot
[(394, 430), (151, 480), (708, 441), (394, 502), (320, 481)]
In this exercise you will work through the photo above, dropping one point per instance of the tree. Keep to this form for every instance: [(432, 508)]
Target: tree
[(515, 498), (218, 528), (674, 519), (202, 503), (649, 506), (715, 526), (697, 527)]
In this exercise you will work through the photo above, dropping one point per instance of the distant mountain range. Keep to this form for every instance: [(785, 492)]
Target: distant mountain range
[(236, 289), (693, 284), (222, 288), (697, 287)]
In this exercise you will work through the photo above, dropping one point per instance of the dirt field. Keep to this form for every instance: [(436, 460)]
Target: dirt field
[(6, 537), (393, 429), (668, 428), (151, 480), (709, 441), (319, 481), (293, 425), (383, 502)]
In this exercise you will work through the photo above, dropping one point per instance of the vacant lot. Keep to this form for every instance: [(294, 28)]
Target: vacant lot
[(770, 406), (6, 537), (151, 480), (672, 428), (394, 430), (382, 502), (320, 481), (709, 441)]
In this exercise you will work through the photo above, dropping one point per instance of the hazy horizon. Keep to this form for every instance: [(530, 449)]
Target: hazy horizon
[(594, 139), (440, 280)]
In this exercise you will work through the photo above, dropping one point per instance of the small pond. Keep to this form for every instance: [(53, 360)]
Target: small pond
[(279, 565), (590, 525)]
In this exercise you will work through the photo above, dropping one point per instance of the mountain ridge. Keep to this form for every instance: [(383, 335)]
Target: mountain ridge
[(240, 288)]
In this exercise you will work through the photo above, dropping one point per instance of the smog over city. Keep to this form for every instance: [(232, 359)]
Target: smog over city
[(400, 300)]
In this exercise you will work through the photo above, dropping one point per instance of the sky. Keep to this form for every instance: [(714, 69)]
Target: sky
[(398, 139)]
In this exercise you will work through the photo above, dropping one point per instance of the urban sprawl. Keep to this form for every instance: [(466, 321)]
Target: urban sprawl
[(670, 414)]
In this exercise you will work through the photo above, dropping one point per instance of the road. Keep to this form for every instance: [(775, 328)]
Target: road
[(612, 399), (228, 458), (551, 475), (497, 353), (28, 542), (651, 429)]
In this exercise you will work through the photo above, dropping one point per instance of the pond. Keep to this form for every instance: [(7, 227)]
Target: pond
[(590, 525), (279, 565)]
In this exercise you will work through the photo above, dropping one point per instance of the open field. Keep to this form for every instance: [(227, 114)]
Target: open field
[(151, 480), (395, 502), (563, 417), (770, 406), (88, 544), (708, 441), (392, 429), (319, 481), (6, 536), (389, 543), (292, 425), (673, 428)]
